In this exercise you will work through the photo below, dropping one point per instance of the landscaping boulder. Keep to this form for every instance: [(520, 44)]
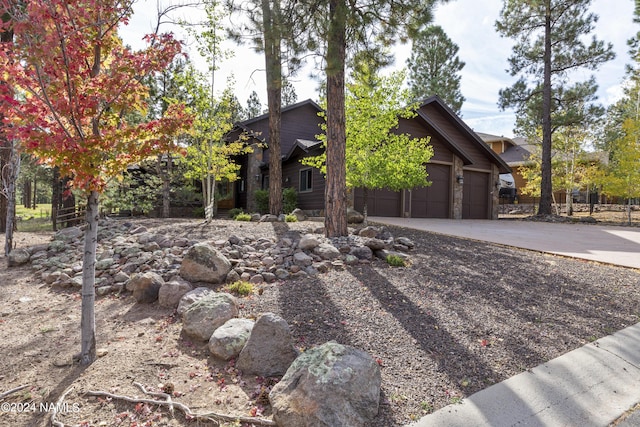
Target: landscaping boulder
[(206, 315), (192, 296), (145, 287), (269, 350), (308, 242), (68, 234), (302, 259), (204, 263), (369, 231), (18, 257), (354, 217), (299, 214), (362, 252), (327, 251), (228, 340), (171, 292), (329, 385)]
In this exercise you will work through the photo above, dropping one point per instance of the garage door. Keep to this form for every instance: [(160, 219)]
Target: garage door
[(475, 200), (379, 202), (433, 201)]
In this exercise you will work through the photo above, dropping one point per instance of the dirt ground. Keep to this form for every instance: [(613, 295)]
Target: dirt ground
[(452, 323)]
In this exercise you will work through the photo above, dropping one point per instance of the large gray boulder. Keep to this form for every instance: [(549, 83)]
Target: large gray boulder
[(326, 386), (354, 217), (228, 340), (206, 315), (171, 292), (145, 287), (204, 263), (68, 234), (192, 296), (18, 257), (269, 350), (308, 242)]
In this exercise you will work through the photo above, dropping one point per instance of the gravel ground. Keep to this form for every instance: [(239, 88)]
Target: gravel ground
[(464, 315)]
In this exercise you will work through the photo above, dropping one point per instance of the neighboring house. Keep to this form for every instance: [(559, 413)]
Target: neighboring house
[(463, 171), (516, 153)]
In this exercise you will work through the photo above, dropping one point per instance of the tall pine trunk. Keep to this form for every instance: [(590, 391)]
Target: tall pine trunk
[(88, 317), (335, 195), (273, 62), (546, 187)]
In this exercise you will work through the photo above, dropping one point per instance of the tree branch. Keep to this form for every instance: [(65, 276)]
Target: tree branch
[(13, 390), (209, 416)]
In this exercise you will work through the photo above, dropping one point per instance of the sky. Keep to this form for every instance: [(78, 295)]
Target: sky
[(469, 23)]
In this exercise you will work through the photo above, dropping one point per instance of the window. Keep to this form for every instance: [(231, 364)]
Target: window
[(305, 180)]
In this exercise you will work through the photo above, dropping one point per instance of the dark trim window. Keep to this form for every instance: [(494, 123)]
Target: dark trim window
[(305, 180)]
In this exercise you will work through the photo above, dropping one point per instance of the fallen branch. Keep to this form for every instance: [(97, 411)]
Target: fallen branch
[(13, 390), (166, 396), (210, 416), (55, 422)]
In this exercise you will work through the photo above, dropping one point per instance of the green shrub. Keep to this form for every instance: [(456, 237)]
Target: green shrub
[(290, 218), (262, 200), (396, 261), (243, 217), (235, 212), (241, 288), (289, 199)]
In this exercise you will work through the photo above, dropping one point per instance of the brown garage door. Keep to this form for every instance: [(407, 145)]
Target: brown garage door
[(433, 201), (379, 202), (475, 200)]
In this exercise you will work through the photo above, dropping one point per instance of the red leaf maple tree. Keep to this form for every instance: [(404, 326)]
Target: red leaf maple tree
[(68, 86)]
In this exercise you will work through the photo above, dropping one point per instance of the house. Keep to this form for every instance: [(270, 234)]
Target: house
[(516, 153), (463, 171)]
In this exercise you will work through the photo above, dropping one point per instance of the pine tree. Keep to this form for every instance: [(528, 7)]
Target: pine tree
[(550, 42), (335, 28), (434, 67), (254, 106)]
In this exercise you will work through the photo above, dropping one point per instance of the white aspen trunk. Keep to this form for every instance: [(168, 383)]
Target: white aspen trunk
[(209, 209), (88, 318)]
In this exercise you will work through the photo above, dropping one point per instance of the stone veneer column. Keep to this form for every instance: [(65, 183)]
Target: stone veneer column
[(458, 189), (253, 169), (494, 191)]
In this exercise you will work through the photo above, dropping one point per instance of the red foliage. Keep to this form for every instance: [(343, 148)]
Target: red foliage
[(70, 84)]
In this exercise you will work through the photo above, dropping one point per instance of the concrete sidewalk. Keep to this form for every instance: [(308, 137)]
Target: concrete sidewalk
[(590, 386), (607, 244)]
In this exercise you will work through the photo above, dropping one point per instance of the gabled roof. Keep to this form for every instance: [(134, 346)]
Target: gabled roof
[(303, 145), (517, 155), (246, 123), (436, 101)]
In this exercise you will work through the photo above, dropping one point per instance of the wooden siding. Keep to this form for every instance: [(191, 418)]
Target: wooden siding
[(298, 123), (312, 200), (480, 159), (417, 130)]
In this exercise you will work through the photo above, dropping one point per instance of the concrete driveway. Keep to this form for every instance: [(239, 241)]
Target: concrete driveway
[(602, 243)]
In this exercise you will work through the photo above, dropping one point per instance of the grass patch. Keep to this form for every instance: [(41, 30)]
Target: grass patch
[(36, 220), (290, 218), (243, 217), (241, 288), (396, 261)]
